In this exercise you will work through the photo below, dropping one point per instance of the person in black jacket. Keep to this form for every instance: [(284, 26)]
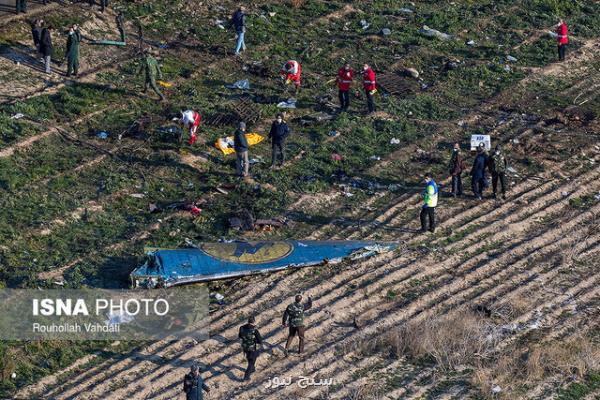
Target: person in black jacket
[(279, 132), (251, 340), (36, 35), (478, 178), (46, 46), (240, 145), (238, 20), (193, 384)]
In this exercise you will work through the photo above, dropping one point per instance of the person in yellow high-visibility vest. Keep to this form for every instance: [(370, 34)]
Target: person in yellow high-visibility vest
[(431, 199)]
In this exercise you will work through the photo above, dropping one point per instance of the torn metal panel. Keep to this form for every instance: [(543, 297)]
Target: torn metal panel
[(212, 261), (395, 84), (244, 110)]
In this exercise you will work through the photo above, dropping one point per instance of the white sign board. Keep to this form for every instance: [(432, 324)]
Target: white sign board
[(485, 139)]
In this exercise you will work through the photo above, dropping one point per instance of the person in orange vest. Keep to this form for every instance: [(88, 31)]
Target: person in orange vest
[(562, 38), (344, 81), (370, 85), (191, 120), (290, 72)]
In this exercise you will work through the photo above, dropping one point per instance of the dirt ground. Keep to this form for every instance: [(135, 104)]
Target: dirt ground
[(535, 253)]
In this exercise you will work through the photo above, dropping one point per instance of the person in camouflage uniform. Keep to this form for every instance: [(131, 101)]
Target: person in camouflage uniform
[(294, 314), (251, 340), (497, 167), (72, 55), (151, 69), (193, 384)]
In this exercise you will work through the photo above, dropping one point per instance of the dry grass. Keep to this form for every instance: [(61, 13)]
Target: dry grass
[(297, 3), (458, 338), (516, 367)]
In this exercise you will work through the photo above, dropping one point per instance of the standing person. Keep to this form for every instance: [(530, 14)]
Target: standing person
[(191, 120), (46, 47), (562, 38), (21, 6), (103, 4), (73, 40), (294, 314), (239, 24), (344, 81), (193, 384), (478, 180), (370, 85), (149, 66), (240, 145), (497, 167), (251, 339), (290, 72), (457, 166), (36, 35), (428, 210), (279, 132)]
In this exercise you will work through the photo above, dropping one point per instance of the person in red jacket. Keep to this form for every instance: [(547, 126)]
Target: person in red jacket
[(291, 73), (344, 81), (191, 120), (562, 38), (370, 85)]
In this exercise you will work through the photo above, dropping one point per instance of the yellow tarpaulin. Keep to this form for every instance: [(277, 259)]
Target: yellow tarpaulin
[(164, 84), (226, 144)]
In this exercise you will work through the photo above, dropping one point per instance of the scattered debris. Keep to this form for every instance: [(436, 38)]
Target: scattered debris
[(256, 160), (406, 10), (411, 72), (195, 210), (375, 158), (597, 196), (137, 195), (553, 35), (243, 84), (471, 43), (334, 133), (226, 144), (365, 25), (17, 116), (386, 32), (395, 141), (496, 389), (102, 135), (337, 157), (506, 68), (153, 208), (219, 24), (427, 31), (511, 59), (289, 103)]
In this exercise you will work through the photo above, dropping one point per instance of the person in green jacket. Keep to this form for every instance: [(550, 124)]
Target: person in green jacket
[(294, 318), (21, 6), (72, 55), (151, 69)]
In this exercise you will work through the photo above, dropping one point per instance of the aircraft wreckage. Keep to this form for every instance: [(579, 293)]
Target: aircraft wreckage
[(213, 261)]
